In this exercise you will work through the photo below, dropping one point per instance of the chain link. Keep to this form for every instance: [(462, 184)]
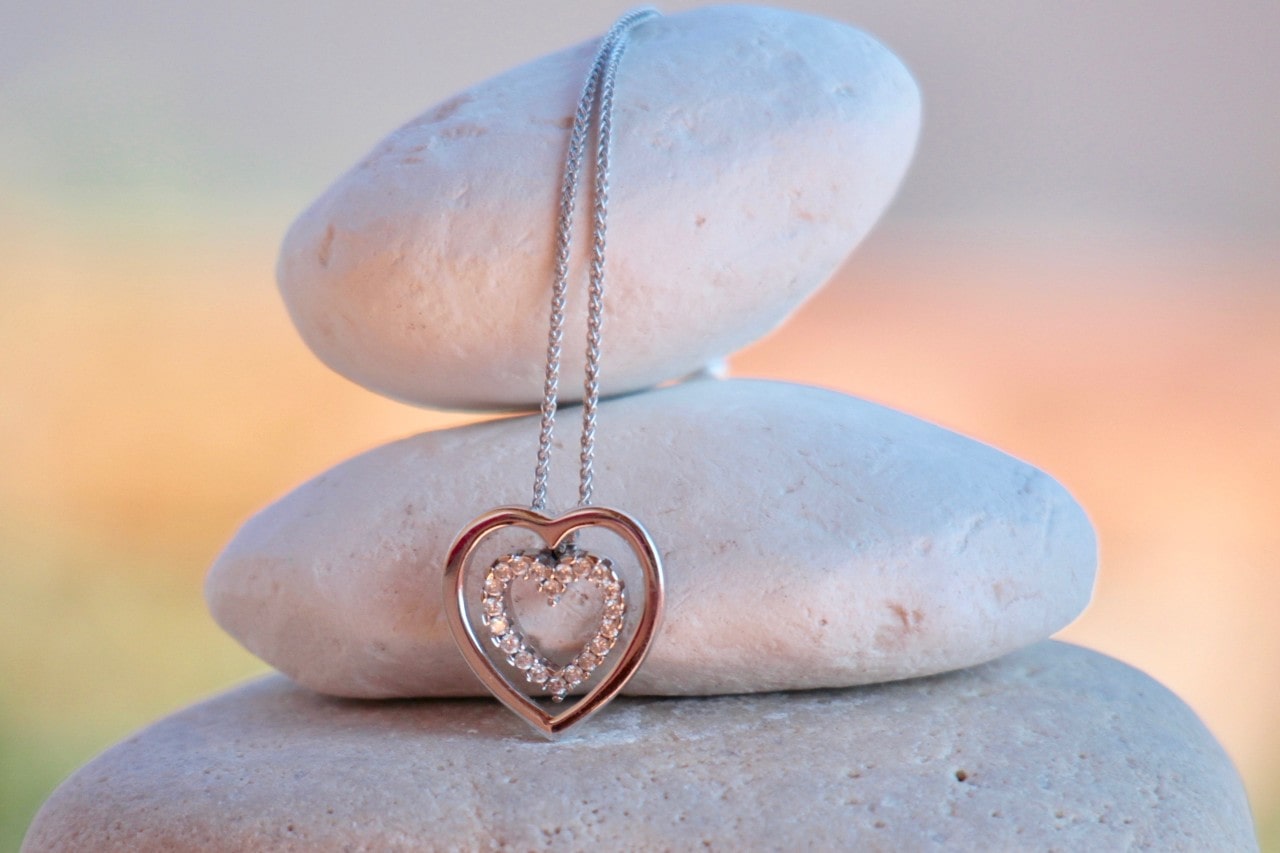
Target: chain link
[(600, 81)]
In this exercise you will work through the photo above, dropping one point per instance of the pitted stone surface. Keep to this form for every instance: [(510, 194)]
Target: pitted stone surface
[(1051, 748)]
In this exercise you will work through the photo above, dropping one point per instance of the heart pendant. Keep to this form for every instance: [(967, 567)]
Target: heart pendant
[(553, 569)]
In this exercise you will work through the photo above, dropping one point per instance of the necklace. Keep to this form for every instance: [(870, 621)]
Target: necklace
[(504, 657)]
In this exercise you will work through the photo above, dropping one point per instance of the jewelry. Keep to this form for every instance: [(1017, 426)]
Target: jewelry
[(558, 562)]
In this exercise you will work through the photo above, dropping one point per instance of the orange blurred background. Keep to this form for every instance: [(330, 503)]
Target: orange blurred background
[(1081, 270)]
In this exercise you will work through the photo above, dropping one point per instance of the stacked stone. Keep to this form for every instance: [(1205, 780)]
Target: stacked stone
[(813, 542)]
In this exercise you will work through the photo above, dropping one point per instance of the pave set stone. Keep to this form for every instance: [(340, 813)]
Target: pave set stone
[(553, 573)]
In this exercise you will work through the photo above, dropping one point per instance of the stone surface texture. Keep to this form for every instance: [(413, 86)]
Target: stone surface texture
[(754, 148), (1051, 748), (810, 539)]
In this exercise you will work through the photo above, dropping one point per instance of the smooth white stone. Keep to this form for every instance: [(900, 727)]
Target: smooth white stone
[(1051, 748), (810, 539), (754, 148)]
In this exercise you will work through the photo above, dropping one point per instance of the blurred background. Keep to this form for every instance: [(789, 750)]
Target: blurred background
[(1083, 268)]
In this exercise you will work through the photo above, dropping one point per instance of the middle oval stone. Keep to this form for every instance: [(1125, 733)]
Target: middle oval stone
[(809, 539)]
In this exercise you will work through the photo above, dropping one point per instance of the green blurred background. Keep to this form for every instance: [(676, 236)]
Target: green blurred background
[(1081, 269)]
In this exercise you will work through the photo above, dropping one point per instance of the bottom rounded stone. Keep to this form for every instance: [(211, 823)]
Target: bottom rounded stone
[(1050, 747)]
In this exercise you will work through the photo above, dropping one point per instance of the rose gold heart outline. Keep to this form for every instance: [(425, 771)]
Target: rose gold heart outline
[(553, 531)]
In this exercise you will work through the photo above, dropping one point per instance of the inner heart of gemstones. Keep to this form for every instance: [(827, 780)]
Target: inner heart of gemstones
[(552, 573)]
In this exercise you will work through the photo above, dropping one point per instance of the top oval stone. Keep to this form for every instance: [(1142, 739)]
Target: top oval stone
[(753, 149)]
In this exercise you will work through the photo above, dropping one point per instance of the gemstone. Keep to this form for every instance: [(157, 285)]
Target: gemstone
[(553, 574)]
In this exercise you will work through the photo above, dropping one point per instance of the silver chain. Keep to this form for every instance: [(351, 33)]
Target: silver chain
[(600, 81)]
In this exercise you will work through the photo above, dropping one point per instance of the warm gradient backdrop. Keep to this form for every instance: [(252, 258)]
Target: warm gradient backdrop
[(1081, 269)]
